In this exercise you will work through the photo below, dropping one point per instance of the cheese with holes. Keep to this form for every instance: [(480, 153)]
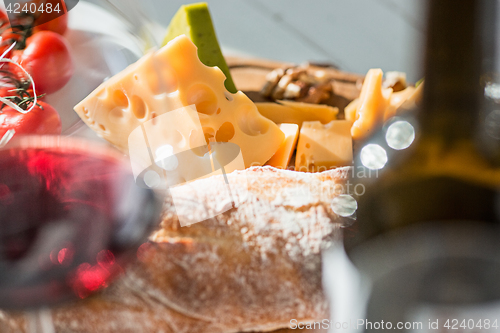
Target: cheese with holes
[(284, 154), (194, 21), (322, 147), (297, 113), (171, 78), (368, 111)]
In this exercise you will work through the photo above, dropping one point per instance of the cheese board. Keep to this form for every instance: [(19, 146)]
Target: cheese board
[(250, 75)]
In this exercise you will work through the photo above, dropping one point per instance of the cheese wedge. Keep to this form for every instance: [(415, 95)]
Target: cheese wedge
[(311, 108), (400, 101), (297, 113), (282, 157), (377, 104), (171, 78), (415, 99), (368, 112), (194, 21), (397, 100), (323, 147)]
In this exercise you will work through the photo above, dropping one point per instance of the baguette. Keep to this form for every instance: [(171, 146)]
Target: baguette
[(250, 269)]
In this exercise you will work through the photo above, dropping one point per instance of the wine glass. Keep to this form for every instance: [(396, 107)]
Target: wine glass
[(105, 37), (71, 216), (70, 211)]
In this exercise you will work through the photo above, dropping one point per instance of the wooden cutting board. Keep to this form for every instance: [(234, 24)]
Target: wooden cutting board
[(249, 75)]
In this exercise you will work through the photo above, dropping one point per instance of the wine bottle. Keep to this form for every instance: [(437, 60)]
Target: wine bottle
[(426, 233)]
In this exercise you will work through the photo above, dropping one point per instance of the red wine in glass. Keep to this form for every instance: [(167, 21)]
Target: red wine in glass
[(70, 218)]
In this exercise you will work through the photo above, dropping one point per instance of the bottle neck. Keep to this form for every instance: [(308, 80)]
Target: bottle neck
[(452, 92)]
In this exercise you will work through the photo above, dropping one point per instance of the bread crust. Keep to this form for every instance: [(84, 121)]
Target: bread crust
[(250, 269)]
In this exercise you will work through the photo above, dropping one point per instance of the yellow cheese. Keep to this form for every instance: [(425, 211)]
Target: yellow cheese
[(171, 78), (415, 98), (284, 154), (351, 110), (377, 104), (397, 100), (324, 112), (297, 113), (322, 147), (371, 105)]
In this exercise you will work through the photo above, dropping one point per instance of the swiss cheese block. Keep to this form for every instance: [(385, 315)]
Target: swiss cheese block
[(368, 111), (322, 147), (284, 154), (194, 21), (171, 78), (297, 113)]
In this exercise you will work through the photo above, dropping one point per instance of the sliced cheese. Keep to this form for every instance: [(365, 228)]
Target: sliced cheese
[(370, 107), (351, 110), (282, 157), (194, 21), (318, 109), (171, 78), (377, 104), (400, 101), (322, 147), (397, 100), (414, 99), (297, 113)]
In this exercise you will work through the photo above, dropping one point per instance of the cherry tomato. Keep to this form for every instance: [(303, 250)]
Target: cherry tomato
[(8, 91), (58, 24), (9, 36), (11, 91), (48, 59), (37, 121)]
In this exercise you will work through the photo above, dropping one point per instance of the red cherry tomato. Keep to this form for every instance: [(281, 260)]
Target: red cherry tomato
[(48, 59), (9, 91), (8, 37), (37, 121), (58, 24)]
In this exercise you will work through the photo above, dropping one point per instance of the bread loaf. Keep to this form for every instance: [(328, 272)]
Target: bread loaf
[(253, 268)]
